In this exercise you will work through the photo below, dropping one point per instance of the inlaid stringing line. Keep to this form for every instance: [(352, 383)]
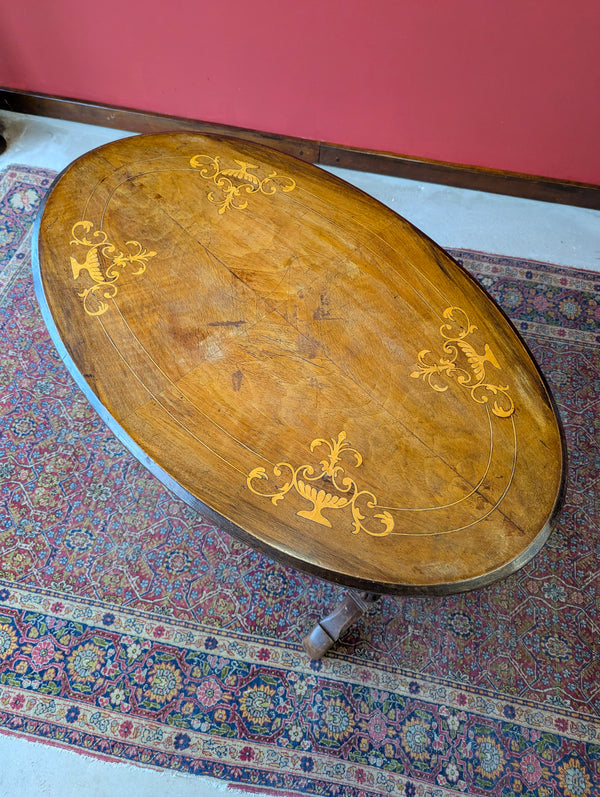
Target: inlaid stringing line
[(301, 479), (295, 198), (136, 177), (278, 313), (161, 405), (182, 392), (459, 500), (480, 519), (126, 166)]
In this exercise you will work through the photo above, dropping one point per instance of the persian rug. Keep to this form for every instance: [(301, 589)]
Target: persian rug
[(133, 629)]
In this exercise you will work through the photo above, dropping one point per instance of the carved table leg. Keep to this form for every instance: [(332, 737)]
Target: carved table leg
[(328, 630)]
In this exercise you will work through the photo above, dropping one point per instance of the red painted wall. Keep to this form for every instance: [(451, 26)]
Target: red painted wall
[(507, 84)]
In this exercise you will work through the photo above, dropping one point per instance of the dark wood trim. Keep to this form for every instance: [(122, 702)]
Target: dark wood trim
[(476, 178), (134, 121)]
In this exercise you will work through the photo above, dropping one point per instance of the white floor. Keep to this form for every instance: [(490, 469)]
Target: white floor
[(451, 216)]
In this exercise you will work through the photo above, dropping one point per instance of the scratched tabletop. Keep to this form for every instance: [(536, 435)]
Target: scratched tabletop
[(299, 363)]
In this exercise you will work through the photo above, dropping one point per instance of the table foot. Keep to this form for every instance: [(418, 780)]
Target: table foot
[(328, 630)]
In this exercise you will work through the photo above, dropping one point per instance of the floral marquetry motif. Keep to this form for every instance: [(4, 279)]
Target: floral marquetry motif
[(339, 491), (235, 183), (472, 375), (103, 263)]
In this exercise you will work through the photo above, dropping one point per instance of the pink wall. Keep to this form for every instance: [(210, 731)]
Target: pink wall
[(507, 84)]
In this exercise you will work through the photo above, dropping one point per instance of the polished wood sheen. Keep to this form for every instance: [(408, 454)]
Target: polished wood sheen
[(298, 361)]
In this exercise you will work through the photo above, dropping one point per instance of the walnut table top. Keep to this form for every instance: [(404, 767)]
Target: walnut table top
[(299, 362)]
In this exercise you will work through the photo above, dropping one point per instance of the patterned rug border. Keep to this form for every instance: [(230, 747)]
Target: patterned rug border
[(96, 730), (206, 757), (269, 652), (93, 732)]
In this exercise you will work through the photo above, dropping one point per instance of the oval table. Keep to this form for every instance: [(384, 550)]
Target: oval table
[(301, 364)]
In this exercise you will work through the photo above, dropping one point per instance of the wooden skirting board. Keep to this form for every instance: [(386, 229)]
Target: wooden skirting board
[(472, 177)]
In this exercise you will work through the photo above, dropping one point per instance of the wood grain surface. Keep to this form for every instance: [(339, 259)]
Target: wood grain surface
[(299, 361)]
